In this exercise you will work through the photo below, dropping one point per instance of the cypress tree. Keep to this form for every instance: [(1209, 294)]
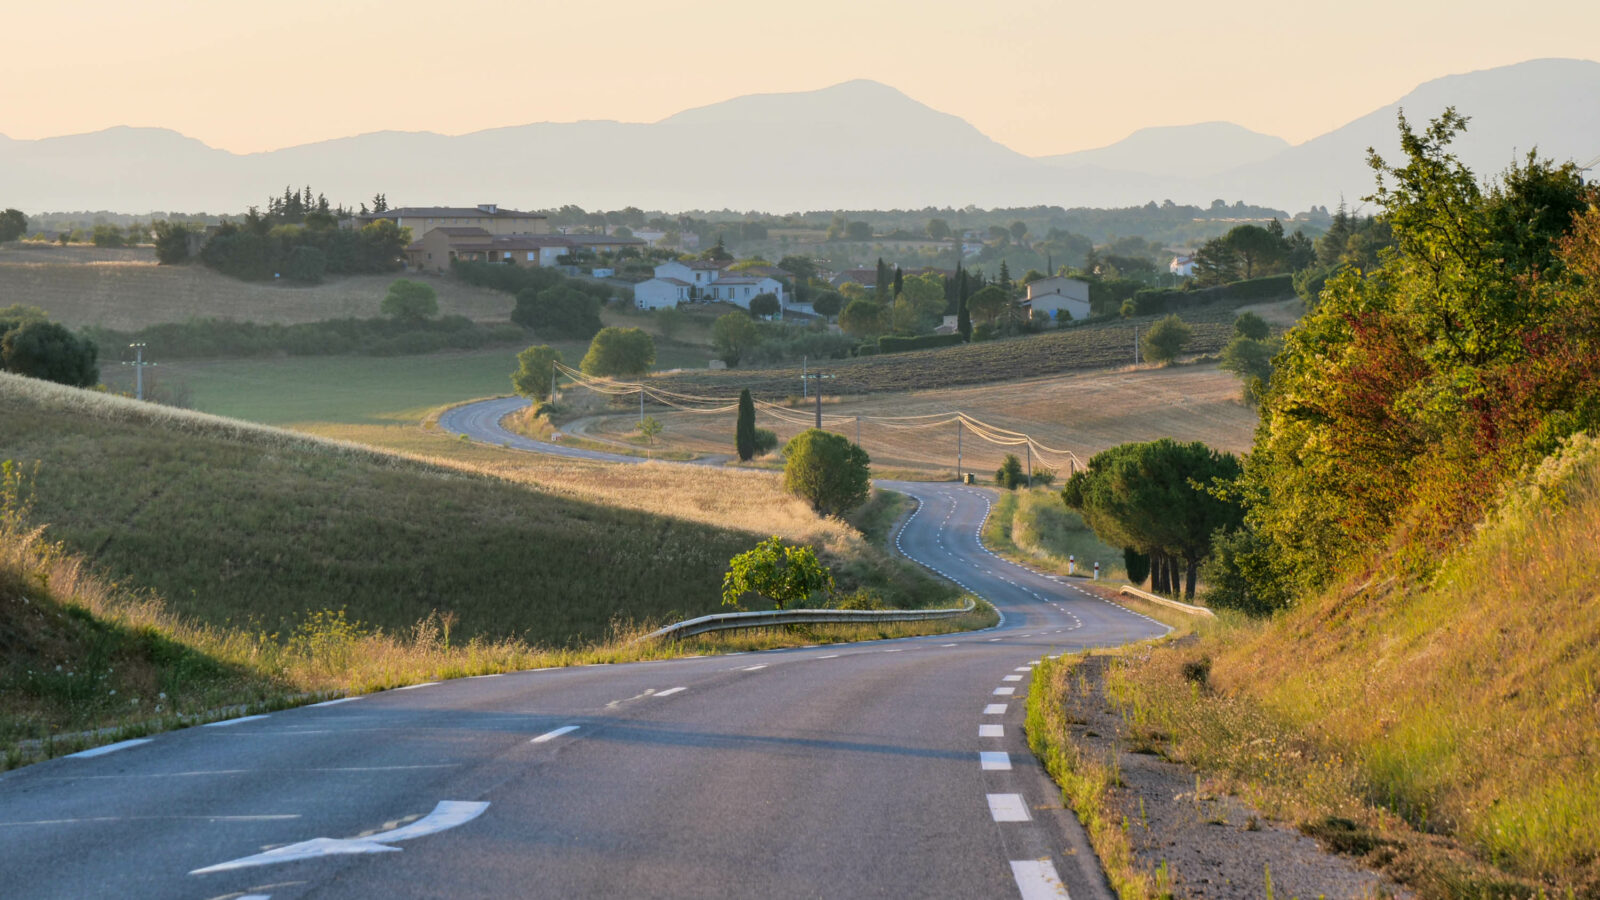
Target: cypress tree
[(899, 283), (963, 315), (744, 433)]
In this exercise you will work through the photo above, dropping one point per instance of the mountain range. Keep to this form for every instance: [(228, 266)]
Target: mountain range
[(856, 145)]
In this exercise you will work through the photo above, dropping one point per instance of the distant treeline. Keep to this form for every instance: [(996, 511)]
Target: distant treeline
[(216, 338)]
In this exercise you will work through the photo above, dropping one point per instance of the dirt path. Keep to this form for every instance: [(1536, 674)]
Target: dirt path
[(1212, 846)]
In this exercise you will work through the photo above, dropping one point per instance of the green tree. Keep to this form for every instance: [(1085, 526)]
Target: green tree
[(827, 471), (963, 306), (1256, 248), (49, 351), (765, 305), (718, 253), (1165, 340), (535, 371), (107, 236), (172, 242), (938, 229), (560, 311), (307, 264), (1019, 230), (1251, 360), (1136, 564), (734, 335), (1010, 475), (619, 351), (744, 429), (1249, 325), (1215, 263), (858, 231), (828, 304), (13, 224), (861, 318), (784, 574), (989, 303), (649, 427), (410, 301)]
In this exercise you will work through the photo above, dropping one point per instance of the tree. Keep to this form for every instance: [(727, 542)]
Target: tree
[(963, 306), (107, 236), (938, 229), (1019, 230), (861, 318), (1256, 247), (1165, 340), (744, 429), (306, 264), (765, 304), (535, 371), (1010, 474), (619, 351), (718, 253), (172, 242), (781, 573), (803, 268), (858, 231), (827, 471), (734, 335), (649, 426), (13, 224), (561, 311), (989, 303), (49, 351), (410, 301), (883, 284), (828, 303), (1160, 499), (1252, 326), (1251, 360), (1136, 564)]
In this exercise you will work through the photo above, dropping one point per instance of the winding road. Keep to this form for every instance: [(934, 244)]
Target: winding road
[(883, 769)]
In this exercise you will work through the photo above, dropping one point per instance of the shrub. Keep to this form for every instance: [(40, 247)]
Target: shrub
[(1249, 325), (410, 300), (619, 351), (559, 312), (827, 471), (1165, 340), (307, 264), (765, 305), (766, 441), (49, 351), (780, 573), (1010, 474)]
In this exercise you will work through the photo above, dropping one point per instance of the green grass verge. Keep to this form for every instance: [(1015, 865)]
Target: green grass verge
[(1035, 528)]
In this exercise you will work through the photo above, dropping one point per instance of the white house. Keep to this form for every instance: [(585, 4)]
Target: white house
[(660, 293), (1182, 266), (700, 273), (1062, 298), (741, 289)]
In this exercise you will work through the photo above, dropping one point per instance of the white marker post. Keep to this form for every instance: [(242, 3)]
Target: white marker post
[(1072, 564), (1097, 570)]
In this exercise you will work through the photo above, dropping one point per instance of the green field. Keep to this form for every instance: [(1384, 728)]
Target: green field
[(352, 390)]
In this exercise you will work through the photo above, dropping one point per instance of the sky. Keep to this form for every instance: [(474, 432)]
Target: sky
[(1041, 77)]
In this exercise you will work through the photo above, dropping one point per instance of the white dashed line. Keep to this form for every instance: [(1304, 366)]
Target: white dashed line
[(226, 722), (754, 668), (335, 702), (995, 709), (1037, 879), (412, 687), (1004, 691), (109, 748), (994, 760), (1012, 678), (670, 691), (1008, 808), (552, 735), (995, 731), (829, 656)]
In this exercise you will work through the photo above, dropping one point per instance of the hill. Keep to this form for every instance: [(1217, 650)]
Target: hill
[(854, 145)]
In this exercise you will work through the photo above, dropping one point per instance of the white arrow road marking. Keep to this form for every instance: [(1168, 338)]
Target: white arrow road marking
[(448, 814), (1037, 879), (109, 748), (1008, 808)]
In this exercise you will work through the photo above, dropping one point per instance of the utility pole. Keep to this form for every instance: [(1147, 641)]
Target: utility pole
[(641, 404), (553, 375), (958, 450), (1136, 345), (803, 386), (138, 369), (1030, 464), (817, 393)]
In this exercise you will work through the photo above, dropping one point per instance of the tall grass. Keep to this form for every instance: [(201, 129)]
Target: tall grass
[(1035, 527)]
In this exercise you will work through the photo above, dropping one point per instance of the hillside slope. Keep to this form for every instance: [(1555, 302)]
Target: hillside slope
[(253, 527)]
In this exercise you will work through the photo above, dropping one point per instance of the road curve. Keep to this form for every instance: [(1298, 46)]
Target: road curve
[(882, 769)]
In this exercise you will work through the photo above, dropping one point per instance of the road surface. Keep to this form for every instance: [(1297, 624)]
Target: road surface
[(884, 769)]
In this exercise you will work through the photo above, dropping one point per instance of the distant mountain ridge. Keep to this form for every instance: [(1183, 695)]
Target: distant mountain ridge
[(858, 144)]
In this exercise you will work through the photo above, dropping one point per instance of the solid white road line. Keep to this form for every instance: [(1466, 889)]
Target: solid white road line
[(412, 687), (1004, 691), (753, 668), (1012, 678), (992, 731), (1037, 879), (1008, 808), (670, 691), (994, 760), (552, 735), (995, 709), (109, 748), (829, 656), (226, 722), (335, 702)]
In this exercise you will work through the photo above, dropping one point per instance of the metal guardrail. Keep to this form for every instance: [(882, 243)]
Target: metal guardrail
[(772, 617), (1156, 598)]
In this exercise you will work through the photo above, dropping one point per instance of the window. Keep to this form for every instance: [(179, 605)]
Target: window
[(533, 256)]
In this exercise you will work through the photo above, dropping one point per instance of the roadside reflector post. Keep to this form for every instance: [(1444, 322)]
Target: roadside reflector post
[(1072, 564), (1097, 570)]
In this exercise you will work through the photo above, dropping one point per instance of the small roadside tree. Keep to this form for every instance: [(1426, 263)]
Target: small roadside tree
[(828, 303), (1249, 325), (619, 351), (827, 471), (535, 372), (410, 301), (744, 430), (650, 426), (1165, 340), (1010, 474), (765, 305), (783, 574)]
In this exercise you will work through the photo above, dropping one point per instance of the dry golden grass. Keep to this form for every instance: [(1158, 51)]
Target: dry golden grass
[(1084, 413), (125, 289)]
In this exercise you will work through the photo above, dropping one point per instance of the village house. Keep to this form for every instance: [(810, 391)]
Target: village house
[(1062, 298), (740, 289), (698, 273), (440, 245), (661, 293), (487, 216)]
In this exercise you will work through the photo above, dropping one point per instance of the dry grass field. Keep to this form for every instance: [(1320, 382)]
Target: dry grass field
[(1081, 412), (125, 289)]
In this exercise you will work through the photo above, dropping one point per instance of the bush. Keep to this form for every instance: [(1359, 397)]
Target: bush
[(1249, 325), (561, 311), (766, 441), (1163, 342), (765, 305), (827, 471), (49, 351), (1010, 474), (783, 574), (828, 304), (107, 236), (211, 338), (619, 351), (306, 264)]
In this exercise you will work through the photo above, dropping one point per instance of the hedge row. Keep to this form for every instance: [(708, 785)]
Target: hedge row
[(213, 338), (1155, 301)]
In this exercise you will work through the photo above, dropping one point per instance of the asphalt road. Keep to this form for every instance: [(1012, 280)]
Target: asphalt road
[(884, 769)]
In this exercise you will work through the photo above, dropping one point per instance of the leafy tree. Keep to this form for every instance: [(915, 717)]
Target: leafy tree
[(13, 224), (1010, 474), (1251, 360), (1256, 248), (828, 303), (535, 371), (410, 301), (49, 351), (306, 264), (765, 304), (649, 426), (938, 229), (963, 308), (717, 253), (1136, 564), (734, 335), (861, 318), (827, 471), (619, 351), (561, 311), (989, 303), (804, 269), (1215, 263), (744, 429), (1019, 230), (172, 242), (107, 236), (858, 231), (1158, 498), (1165, 340), (781, 573), (1249, 325)]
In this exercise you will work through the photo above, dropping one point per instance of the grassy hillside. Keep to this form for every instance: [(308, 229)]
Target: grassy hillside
[(245, 526), (1448, 732)]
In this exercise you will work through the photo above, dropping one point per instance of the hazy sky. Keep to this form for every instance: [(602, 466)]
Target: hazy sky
[(1042, 77)]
